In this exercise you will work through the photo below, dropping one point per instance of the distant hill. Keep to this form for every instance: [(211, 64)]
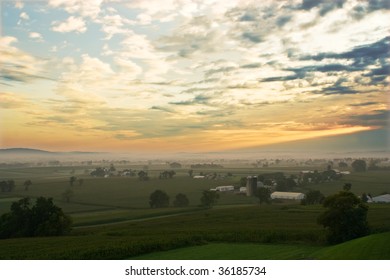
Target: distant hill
[(30, 155), (24, 151)]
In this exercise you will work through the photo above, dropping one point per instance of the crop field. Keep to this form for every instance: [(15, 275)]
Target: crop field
[(113, 220)]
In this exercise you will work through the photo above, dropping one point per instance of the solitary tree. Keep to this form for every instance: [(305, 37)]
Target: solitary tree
[(67, 195), (359, 165), (72, 180), (345, 217), (159, 199), (27, 184), (181, 200), (190, 172), (209, 198)]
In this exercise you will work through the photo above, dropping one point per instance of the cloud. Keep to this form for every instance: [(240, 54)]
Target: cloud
[(376, 118), (11, 101), (70, 25), (24, 15), (199, 99), (363, 59), (361, 55), (363, 104), (17, 65), (198, 35), (19, 4), (164, 109), (325, 6), (85, 8), (35, 36)]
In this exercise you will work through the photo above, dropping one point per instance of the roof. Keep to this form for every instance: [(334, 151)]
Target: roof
[(287, 195), (382, 198)]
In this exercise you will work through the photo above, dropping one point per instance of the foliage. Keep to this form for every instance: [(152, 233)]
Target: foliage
[(98, 172), (42, 219), (313, 197), (27, 184), (345, 217), (264, 195), (143, 175), (67, 195), (72, 180), (7, 186), (181, 200), (209, 198), (175, 165), (167, 174), (159, 199), (359, 165)]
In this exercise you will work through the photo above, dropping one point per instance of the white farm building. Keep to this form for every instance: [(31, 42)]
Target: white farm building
[(287, 195), (381, 199), (224, 188)]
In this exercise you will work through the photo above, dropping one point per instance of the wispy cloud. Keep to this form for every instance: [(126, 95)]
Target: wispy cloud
[(71, 24)]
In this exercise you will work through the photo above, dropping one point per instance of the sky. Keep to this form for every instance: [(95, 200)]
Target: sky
[(190, 75)]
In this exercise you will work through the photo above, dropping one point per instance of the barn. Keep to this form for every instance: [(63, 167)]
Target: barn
[(287, 195), (381, 199), (224, 188)]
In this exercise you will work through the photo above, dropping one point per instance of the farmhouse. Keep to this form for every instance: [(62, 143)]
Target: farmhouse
[(287, 195), (198, 177)]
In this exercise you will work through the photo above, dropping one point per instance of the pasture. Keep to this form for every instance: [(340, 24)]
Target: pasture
[(113, 220)]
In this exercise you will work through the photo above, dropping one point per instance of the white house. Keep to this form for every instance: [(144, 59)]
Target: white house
[(287, 195), (198, 177)]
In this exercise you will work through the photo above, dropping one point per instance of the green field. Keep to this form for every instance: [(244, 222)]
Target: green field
[(226, 251), (113, 220)]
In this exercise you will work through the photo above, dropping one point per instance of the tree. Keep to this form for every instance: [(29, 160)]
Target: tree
[(181, 200), (347, 187), (67, 195), (7, 186), (343, 164), (143, 176), (359, 165), (112, 168), (209, 198), (345, 217), (81, 181), (27, 184), (264, 195), (72, 180), (159, 199), (175, 165), (190, 172), (42, 219), (313, 197)]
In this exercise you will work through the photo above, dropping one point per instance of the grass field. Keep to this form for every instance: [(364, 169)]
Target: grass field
[(113, 220), (373, 247), (226, 251)]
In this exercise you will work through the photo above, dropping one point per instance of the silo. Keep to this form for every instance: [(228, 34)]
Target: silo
[(251, 185)]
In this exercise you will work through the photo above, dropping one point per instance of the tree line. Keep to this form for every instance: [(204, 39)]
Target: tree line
[(160, 199)]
